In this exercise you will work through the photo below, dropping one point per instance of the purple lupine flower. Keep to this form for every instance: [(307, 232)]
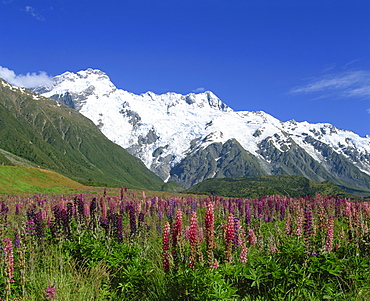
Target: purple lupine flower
[(247, 214), (17, 209), (141, 219), (236, 241), (103, 206), (119, 228), (282, 210), (132, 215), (93, 207), (17, 239), (4, 209), (30, 226), (159, 221), (38, 225)]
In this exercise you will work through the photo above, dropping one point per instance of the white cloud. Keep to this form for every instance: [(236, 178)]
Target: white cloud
[(32, 11), (30, 80), (343, 84), (199, 90)]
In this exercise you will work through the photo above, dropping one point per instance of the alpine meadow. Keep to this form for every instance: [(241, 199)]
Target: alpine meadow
[(83, 218)]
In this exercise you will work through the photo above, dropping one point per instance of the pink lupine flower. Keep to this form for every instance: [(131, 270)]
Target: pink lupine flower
[(9, 259), (229, 236), (287, 229), (273, 247), (210, 232), (176, 233), (215, 264), (9, 265), (166, 244), (193, 238), (330, 235), (300, 221), (252, 238), (243, 253)]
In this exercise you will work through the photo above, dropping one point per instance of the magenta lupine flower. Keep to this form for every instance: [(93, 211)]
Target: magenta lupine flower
[(330, 235), (50, 292), (166, 244), (193, 229)]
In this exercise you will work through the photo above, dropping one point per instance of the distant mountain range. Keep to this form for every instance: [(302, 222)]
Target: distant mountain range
[(37, 131), (190, 138)]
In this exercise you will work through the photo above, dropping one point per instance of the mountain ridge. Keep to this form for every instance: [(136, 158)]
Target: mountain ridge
[(166, 130), (56, 137)]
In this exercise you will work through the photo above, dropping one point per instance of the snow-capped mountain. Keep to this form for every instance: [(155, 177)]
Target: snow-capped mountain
[(188, 138)]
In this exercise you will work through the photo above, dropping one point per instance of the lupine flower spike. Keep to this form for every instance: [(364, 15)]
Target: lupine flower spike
[(193, 238), (166, 245)]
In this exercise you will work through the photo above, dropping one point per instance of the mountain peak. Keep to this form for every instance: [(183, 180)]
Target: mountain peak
[(164, 130)]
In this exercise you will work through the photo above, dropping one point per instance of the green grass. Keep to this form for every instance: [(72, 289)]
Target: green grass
[(15, 180)]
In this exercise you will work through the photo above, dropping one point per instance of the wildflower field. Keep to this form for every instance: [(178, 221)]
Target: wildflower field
[(125, 245)]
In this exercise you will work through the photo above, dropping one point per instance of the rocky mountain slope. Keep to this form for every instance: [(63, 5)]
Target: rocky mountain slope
[(189, 138)]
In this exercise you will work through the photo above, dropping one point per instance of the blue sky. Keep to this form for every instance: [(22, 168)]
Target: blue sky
[(302, 60)]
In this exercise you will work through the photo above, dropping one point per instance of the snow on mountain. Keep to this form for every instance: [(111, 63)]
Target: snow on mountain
[(163, 129)]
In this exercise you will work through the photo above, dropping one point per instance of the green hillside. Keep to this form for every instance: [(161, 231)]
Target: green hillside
[(253, 187), (14, 180), (56, 137)]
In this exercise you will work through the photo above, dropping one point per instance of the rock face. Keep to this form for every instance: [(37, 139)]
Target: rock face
[(189, 138)]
